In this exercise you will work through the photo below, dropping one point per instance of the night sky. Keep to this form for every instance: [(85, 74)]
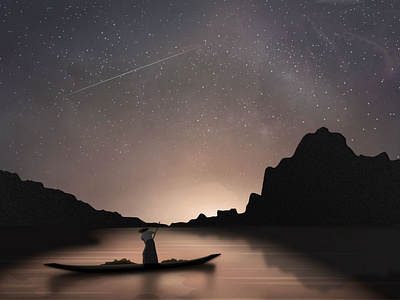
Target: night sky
[(194, 132)]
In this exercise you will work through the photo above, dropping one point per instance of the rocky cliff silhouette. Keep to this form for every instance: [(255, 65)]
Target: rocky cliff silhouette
[(323, 183), (28, 203)]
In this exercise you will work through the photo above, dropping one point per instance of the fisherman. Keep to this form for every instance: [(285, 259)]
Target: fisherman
[(149, 252)]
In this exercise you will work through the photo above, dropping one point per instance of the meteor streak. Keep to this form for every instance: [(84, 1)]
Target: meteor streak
[(131, 71)]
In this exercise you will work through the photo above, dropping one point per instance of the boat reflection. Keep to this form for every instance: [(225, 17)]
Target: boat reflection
[(168, 282)]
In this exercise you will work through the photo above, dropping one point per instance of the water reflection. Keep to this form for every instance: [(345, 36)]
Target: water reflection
[(310, 267), (366, 253), (66, 280), (252, 265)]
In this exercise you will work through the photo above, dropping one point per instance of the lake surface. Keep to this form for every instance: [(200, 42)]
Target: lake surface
[(252, 265)]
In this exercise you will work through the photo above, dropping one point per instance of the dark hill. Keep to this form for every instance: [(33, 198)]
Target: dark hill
[(324, 183), (28, 203)]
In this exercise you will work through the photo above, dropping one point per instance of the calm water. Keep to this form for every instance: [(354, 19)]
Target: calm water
[(250, 267)]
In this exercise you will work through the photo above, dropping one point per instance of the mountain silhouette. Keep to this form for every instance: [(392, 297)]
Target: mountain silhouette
[(323, 183), (29, 203)]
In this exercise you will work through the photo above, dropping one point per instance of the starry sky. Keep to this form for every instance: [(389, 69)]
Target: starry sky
[(166, 109)]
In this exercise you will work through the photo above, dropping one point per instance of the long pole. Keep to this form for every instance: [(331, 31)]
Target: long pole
[(158, 225)]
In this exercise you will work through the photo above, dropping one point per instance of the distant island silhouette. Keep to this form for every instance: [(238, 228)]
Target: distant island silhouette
[(323, 183)]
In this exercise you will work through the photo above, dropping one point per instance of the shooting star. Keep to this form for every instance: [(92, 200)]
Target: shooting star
[(131, 71)]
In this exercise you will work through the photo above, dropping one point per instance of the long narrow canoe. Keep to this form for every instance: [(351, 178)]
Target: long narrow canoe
[(133, 267)]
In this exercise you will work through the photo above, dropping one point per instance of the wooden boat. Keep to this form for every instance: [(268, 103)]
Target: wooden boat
[(110, 268)]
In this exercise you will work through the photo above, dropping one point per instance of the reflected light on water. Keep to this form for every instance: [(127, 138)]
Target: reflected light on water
[(249, 267)]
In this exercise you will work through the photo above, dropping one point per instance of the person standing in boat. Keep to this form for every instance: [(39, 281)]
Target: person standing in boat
[(149, 252)]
